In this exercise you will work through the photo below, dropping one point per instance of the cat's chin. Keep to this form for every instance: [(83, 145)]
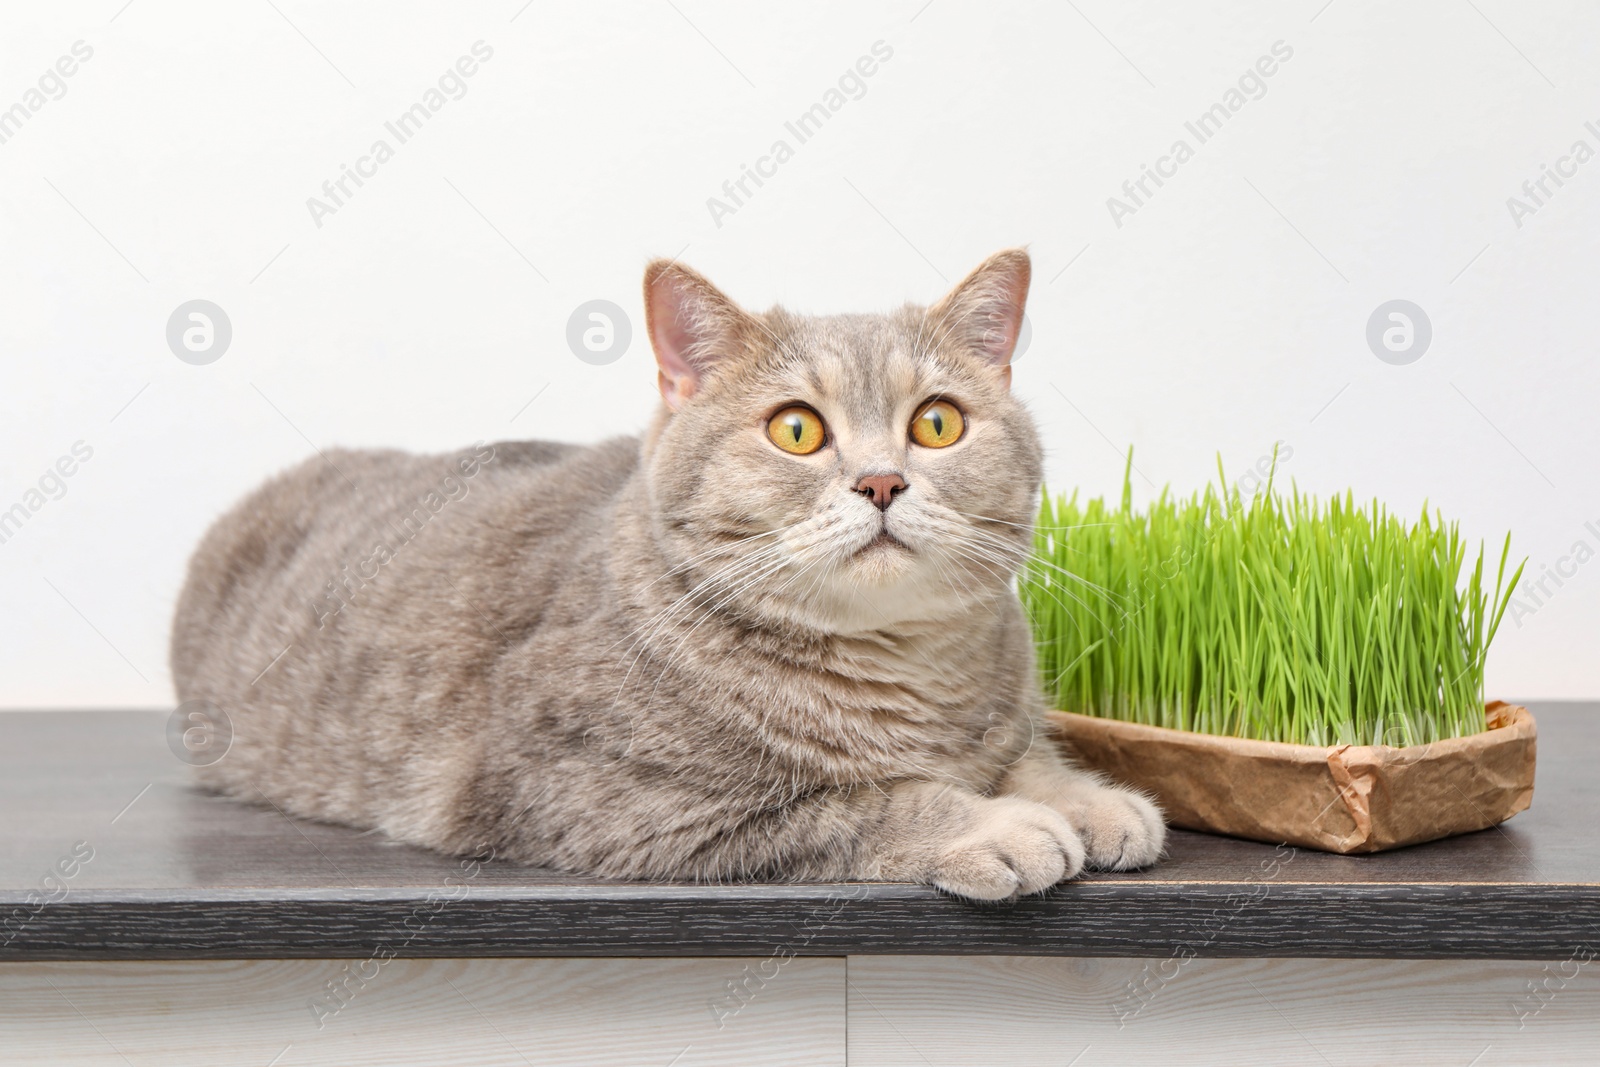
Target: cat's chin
[(877, 589), (883, 560), (873, 566)]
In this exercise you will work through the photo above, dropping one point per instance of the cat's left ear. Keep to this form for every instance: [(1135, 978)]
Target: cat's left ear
[(692, 326), (985, 310)]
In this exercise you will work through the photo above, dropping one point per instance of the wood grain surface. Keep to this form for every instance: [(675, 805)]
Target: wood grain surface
[(435, 1012), (920, 1012), (177, 874)]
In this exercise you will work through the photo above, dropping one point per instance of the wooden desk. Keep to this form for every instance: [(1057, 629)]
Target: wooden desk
[(432, 961)]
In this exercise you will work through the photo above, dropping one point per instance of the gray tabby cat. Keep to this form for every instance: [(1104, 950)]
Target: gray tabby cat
[(775, 638)]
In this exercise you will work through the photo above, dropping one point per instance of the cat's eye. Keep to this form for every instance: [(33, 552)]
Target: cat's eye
[(797, 430), (938, 424)]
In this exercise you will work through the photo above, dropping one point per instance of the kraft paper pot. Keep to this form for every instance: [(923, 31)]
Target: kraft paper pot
[(1348, 798)]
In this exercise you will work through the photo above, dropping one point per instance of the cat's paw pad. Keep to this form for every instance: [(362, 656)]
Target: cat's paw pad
[(1121, 830), (1018, 847)]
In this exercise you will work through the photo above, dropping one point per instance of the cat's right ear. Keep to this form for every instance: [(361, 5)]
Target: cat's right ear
[(692, 326)]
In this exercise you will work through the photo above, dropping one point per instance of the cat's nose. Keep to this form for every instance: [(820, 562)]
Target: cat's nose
[(880, 488)]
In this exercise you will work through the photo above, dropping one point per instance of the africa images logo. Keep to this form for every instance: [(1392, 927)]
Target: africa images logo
[(337, 191), (1252, 85)]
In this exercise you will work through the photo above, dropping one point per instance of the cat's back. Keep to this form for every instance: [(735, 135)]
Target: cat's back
[(350, 535), (347, 617)]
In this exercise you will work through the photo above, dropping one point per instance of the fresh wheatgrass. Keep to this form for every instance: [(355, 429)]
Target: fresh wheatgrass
[(1271, 618)]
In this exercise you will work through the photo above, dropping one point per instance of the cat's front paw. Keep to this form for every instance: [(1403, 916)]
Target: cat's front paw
[(1120, 829), (1017, 847)]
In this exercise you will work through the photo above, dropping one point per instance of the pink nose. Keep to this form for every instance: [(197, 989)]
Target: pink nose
[(880, 488)]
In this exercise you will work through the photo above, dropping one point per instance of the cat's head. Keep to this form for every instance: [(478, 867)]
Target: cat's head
[(847, 473)]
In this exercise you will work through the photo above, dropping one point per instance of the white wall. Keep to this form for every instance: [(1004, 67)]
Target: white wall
[(1227, 313)]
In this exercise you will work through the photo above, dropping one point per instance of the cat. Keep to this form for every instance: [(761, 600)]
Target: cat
[(775, 638)]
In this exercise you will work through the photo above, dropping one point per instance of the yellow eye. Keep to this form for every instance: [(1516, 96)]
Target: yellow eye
[(796, 430), (938, 424)]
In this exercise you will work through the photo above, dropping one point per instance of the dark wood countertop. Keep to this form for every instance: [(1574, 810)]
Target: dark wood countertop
[(177, 874)]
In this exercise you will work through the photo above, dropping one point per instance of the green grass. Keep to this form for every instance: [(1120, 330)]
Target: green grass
[(1282, 619)]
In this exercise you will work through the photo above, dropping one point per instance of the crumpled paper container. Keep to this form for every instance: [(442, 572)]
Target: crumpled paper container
[(1348, 798)]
